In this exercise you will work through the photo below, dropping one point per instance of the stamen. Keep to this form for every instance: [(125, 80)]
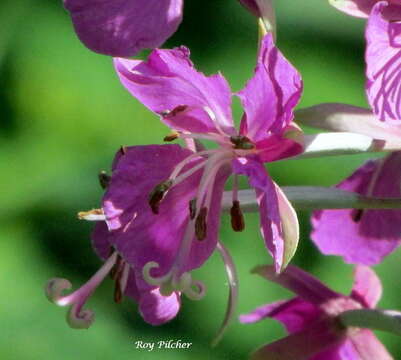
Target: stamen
[(92, 215), (118, 295), (200, 224), (78, 318), (232, 278), (237, 218), (104, 179), (212, 117), (242, 142), (192, 209), (188, 173), (171, 113), (157, 195)]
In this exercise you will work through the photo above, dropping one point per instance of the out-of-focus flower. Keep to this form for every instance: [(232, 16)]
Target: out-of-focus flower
[(383, 53), (313, 318), (199, 107), (124, 27), (363, 236)]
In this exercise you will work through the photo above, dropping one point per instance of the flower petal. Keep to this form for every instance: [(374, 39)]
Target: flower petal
[(301, 345), (169, 85), (157, 309), (364, 346), (266, 196), (142, 236), (100, 240), (296, 314), (383, 59), (271, 94), (123, 28), (367, 287), (300, 283), (363, 237), (357, 8)]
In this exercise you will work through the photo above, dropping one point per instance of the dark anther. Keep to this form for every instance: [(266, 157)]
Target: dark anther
[(237, 218), (200, 224), (356, 215), (123, 150), (171, 137), (114, 272), (192, 209), (157, 195), (118, 296), (104, 179), (242, 142), (171, 113)]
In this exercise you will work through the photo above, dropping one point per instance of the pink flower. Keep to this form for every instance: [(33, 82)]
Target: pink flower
[(313, 318), (383, 53), (363, 236), (124, 27), (163, 202)]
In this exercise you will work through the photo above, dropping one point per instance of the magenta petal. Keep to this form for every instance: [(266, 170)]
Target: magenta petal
[(383, 58), (266, 196), (300, 283), (143, 236), (301, 345), (100, 240), (271, 94), (295, 314), (357, 8), (169, 85), (157, 309), (363, 237), (121, 27), (364, 346), (367, 287)]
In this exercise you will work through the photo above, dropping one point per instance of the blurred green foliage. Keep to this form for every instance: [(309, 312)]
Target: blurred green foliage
[(64, 114)]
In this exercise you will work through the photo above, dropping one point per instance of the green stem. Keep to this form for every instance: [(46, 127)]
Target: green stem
[(314, 198)]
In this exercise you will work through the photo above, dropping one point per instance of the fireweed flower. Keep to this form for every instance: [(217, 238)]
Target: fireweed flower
[(383, 53), (198, 107), (162, 204), (313, 318), (363, 236), (124, 27)]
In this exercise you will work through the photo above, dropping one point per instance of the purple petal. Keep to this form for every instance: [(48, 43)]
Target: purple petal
[(143, 236), (266, 196), (169, 85), (157, 309), (363, 237), (100, 240), (364, 346), (383, 58), (357, 8), (300, 283), (295, 314), (252, 6), (367, 288), (123, 28), (271, 94), (301, 345)]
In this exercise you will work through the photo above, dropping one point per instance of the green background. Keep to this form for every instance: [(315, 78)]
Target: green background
[(64, 114)]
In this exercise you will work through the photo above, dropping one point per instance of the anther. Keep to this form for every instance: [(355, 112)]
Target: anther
[(192, 209), (91, 215), (123, 150), (357, 214), (157, 195), (114, 272), (104, 179), (171, 113), (200, 224), (237, 218), (171, 137), (118, 295), (242, 142)]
